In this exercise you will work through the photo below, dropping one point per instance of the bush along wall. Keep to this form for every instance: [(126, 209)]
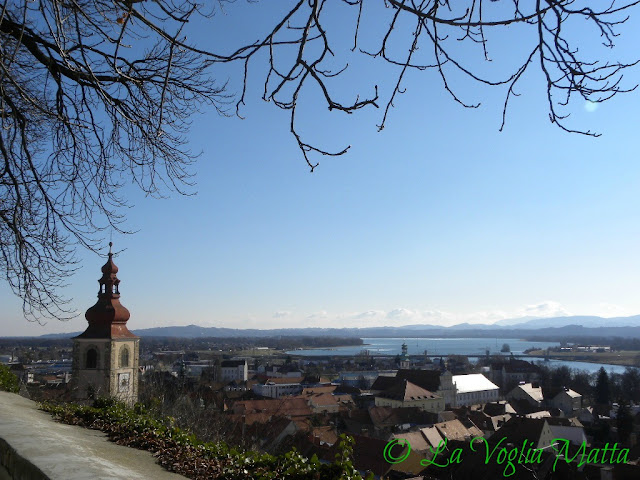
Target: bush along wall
[(181, 452)]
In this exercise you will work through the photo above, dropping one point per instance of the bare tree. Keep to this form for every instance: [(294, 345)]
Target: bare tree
[(81, 112), (94, 93)]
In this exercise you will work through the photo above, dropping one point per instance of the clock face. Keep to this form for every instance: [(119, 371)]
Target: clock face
[(123, 382)]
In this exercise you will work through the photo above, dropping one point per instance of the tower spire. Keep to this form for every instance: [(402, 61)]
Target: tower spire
[(106, 355), (108, 317), (404, 358)]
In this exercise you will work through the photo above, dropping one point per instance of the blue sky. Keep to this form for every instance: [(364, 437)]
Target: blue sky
[(440, 218)]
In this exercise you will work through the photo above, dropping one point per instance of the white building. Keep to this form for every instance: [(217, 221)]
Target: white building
[(575, 435), (531, 392), (567, 400), (234, 370), (276, 390), (459, 390)]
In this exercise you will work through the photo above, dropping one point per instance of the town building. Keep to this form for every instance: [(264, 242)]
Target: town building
[(281, 371), (541, 432), (362, 379), (106, 354), (555, 428), (278, 387), (529, 392), (474, 388), (567, 400), (508, 373), (456, 430), (447, 389), (328, 402), (234, 370), (459, 390), (562, 398), (263, 410), (593, 348), (405, 394)]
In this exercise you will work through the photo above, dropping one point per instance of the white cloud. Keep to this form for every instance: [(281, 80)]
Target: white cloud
[(402, 315), (543, 310), (317, 315), (368, 314)]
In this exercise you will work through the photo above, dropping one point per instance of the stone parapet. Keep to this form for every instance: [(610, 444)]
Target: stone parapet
[(33, 446)]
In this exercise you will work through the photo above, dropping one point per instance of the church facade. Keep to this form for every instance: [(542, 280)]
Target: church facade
[(106, 355)]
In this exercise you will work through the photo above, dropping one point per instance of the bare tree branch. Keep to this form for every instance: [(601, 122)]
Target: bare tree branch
[(96, 93)]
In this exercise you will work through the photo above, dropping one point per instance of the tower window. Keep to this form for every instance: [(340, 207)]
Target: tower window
[(92, 358), (124, 357)]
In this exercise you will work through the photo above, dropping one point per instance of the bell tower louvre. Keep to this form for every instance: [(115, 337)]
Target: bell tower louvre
[(106, 354)]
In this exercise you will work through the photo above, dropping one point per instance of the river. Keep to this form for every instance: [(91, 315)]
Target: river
[(474, 347)]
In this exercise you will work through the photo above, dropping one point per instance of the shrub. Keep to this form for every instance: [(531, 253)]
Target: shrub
[(181, 452), (8, 381)]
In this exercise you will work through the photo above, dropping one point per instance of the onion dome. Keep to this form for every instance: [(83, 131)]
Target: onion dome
[(108, 317)]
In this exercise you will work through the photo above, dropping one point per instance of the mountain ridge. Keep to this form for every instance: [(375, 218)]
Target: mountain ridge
[(569, 325)]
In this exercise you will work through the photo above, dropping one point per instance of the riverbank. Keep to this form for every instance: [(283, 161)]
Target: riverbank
[(622, 358)]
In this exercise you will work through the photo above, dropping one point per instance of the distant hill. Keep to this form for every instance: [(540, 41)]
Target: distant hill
[(585, 321), (515, 321), (587, 326)]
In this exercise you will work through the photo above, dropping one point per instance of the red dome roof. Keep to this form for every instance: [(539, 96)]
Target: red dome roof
[(108, 317), (109, 267)]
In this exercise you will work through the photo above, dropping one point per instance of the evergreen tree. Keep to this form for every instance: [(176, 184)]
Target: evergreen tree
[(624, 422), (561, 377), (580, 383), (631, 384), (602, 387)]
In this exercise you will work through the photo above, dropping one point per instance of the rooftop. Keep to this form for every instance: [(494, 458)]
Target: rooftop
[(406, 391), (475, 382), (455, 430), (232, 363), (534, 392)]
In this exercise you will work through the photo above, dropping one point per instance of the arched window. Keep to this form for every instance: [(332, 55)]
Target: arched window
[(92, 358), (124, 357)]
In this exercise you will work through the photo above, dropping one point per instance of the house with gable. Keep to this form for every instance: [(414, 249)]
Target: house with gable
[(405, 394), (565, 399), (568, 401)]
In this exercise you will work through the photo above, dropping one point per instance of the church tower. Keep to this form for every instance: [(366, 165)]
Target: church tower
[(404, 358), (106, 354)]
